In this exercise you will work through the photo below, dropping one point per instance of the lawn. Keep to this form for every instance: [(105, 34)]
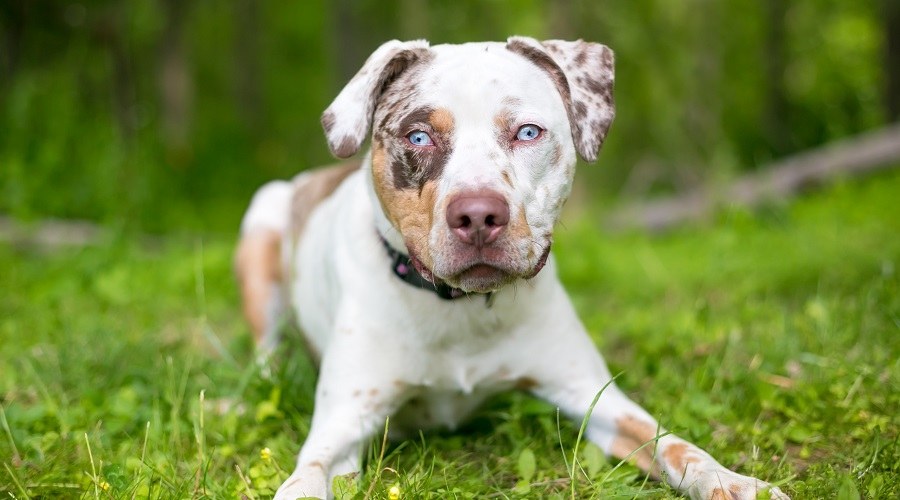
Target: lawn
[(769, 338)]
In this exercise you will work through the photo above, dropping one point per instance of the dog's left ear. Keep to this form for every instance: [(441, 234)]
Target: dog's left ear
[(348, 119), (584, 74)]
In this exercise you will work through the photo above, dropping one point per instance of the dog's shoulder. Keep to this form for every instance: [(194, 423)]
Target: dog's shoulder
[(311, 188)]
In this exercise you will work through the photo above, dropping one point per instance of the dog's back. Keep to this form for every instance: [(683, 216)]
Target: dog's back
[(270, 230)]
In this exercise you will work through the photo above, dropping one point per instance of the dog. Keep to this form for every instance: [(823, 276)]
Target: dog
[(422, 276)]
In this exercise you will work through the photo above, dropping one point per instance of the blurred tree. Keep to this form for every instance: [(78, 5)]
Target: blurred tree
[(175, 80), (777, 114), (12, 22), (415, 21), (891, 18), (561, 19), (247, 63), (169, 113), (359, 27), (107, 32)]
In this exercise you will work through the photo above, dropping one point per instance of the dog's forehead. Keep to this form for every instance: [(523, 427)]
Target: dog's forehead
[(487, 74)]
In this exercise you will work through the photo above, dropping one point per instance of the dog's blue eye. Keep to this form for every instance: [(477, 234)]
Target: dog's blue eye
[(528, 133), (419, 138)]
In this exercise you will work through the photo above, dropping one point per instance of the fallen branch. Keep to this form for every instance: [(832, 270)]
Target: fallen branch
[(857, 155), (51, 233)]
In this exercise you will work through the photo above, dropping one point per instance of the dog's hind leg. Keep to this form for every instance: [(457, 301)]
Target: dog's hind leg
[(258, 263)]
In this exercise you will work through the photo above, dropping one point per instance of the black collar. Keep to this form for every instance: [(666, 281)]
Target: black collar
[(403, 268)]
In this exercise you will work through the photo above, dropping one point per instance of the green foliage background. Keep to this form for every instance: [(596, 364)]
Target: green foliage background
[(704, 89), (768, 337)]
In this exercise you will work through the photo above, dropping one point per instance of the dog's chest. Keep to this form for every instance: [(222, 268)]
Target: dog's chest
[(448, 399), (454, 385)]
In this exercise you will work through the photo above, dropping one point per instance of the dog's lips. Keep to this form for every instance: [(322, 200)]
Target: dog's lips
[(481, 278), (481, 271), (421, 268), (480, 274), (542, 261)]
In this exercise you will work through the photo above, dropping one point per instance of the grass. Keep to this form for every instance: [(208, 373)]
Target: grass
[(771, 339)]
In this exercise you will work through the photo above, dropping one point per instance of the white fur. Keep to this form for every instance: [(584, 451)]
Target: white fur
[(269, 209), (385, 344)]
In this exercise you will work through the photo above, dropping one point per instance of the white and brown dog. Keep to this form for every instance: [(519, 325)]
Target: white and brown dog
[(423, 278)]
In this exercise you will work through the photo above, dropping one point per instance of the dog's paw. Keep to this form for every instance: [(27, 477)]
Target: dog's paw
[(727, 485), (303, 485)]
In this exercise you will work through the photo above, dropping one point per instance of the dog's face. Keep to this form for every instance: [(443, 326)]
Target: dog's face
[(473, 147)]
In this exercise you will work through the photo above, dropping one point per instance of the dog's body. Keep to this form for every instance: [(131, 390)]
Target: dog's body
[(473, 155)]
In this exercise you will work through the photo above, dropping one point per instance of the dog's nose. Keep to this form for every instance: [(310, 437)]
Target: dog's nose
[(478, 218)]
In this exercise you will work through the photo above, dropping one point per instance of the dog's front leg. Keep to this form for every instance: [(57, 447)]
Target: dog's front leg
[(571, 376), (624, 430), (353, 399)]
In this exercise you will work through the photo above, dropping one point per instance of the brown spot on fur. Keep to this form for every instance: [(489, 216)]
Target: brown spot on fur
[(557, 155), (258, 268), (600, 88), (316, 463), (357, 393), (442, 121), (373, 391), (502, 123), (719, 494), (411, 211), (316, 186), (504, 120), (526, 383), (633, 434), (581, 57), (520, 230), (506, 178), (417, 118), (411, 166), (346, 148), (505, 123), (607, 59), (328, 120), (580, 110), (675, 456), (511, 102), (678, 457)]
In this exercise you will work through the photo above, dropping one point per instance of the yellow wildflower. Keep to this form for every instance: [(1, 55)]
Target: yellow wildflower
[(394, 493), (265, 454), (104, 485)]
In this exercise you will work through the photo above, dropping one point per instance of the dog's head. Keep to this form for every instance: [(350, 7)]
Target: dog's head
[(473, 147)]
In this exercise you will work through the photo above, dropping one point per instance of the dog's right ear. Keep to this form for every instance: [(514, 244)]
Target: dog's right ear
[(347, 120), (583, 73)]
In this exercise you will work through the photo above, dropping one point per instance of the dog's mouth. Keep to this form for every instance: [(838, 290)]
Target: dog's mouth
[(421, 268), (481, 275)]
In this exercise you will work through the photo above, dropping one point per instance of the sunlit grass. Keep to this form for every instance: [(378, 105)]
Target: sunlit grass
[(770, 339)]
